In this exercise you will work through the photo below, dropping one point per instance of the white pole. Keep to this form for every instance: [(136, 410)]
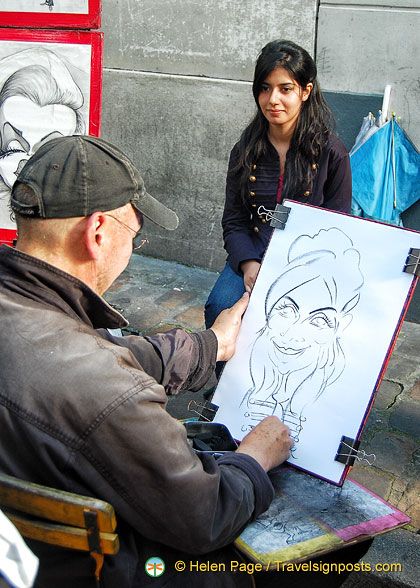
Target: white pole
[(385, 105)]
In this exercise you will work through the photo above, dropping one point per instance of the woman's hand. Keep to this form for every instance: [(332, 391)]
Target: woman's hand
[(250, 269)]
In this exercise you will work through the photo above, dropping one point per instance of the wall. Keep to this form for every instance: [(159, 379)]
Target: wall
[(176, 95), (363, 45)]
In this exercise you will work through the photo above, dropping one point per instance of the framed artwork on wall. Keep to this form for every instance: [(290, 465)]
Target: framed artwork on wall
[(50, 85), (83, 14)]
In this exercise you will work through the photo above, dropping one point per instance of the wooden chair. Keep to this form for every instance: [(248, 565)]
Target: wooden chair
[(60, 518)]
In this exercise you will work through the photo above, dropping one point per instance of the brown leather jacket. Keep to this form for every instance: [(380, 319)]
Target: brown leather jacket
[(85, 412)]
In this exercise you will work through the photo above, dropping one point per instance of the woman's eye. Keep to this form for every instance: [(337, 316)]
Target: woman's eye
[(264, 88), (286, 310), (321, 322), (287, 89)]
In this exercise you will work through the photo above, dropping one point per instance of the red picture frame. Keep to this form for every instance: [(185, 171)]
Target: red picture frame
[(47, 18), (85, 50)]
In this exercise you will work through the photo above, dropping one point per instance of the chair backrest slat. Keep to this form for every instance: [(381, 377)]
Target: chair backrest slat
[(55, 505), (64, 536)]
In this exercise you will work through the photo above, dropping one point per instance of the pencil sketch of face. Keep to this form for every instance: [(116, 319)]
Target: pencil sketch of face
[(298, 352), (39, 100), (301, 323)]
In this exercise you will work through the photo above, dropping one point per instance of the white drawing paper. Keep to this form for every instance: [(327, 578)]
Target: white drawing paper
[(321, 318)]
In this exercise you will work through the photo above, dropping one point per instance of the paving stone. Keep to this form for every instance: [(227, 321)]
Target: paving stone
[(410, 503), (400, 369), (142, 320), (393, 452), (387, 393), (415, 391), (118, 284), (405, 417), (194, 317), (175, 299), (377, 482), (409, 340)]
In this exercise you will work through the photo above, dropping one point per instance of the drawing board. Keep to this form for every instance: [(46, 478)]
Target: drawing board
[(50, 85), (322, 319), (310, 517), (74, 14)]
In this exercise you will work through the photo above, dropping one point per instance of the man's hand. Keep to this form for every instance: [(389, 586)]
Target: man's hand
[(269, 443), (226, 328), (250, 269)]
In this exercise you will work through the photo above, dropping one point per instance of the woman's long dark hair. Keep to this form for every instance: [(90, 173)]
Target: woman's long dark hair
[(312, 129)]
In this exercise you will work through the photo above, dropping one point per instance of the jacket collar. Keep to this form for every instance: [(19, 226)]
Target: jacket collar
[(37, 280)]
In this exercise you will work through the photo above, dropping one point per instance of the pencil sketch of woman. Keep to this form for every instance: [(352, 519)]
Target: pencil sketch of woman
[(39, 99), (297, 353)]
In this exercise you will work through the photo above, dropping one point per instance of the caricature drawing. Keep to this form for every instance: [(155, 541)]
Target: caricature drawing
[(39, 100), (298, 351), (49, 3)]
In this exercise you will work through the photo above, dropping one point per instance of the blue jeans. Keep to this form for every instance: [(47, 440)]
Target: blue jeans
[(226, 291)]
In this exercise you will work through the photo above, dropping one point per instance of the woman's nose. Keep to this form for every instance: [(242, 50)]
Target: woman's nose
[(274, 96), (292, 331)]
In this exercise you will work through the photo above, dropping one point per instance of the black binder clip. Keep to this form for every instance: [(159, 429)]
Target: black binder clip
[(206, 411), (412, 263), (348, 452), (278, 216)]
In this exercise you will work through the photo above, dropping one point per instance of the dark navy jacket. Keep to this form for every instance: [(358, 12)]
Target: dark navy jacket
[(245, 233)]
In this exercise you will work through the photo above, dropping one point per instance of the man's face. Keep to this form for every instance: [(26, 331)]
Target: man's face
[(24, 126), (119, 245)]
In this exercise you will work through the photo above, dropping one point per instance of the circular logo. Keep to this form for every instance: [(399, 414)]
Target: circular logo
[(154, 567)]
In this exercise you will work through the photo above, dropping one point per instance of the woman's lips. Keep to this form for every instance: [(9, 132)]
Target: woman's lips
[(289, 350)]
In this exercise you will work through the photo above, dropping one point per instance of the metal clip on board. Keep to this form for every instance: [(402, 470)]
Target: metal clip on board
[(278, 216), (412, 263), (348, 452)]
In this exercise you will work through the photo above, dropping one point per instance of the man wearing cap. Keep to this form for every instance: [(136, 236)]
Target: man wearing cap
[(85, 412)]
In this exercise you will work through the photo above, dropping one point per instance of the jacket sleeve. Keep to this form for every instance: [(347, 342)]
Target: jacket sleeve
[(235, 221), (176, 359), (157, 484), (338, 184)]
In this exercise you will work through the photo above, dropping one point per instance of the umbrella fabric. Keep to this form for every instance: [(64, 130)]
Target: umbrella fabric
[(386, 174)]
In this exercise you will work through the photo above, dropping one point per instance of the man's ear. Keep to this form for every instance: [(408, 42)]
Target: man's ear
[(94, 234)]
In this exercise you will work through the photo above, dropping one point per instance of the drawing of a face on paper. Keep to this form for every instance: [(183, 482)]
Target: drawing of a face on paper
[(298, 352), (39, 100)]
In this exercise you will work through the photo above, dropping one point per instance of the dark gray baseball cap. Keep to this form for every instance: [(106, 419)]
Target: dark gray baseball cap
[(79, 175)]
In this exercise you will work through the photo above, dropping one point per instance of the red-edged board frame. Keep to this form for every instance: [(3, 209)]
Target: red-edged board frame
[(45, 15), (76, 58)]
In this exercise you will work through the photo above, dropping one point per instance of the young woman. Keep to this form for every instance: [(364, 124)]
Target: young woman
[(287, 151)]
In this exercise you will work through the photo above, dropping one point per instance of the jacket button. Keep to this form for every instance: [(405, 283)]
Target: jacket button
[(252, 193), (307, 193), (263, 220), (314, 166), (252, 178), (254, 205), (256, 229), (254, 166)]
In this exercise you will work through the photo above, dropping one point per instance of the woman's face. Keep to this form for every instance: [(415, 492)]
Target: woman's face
[(300, 325), (24, 126), (281, 98)]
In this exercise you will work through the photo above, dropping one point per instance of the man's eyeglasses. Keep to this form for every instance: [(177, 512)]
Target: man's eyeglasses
[(138, 241)]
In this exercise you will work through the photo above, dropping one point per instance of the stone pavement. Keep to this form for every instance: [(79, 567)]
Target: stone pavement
[(156, 295)]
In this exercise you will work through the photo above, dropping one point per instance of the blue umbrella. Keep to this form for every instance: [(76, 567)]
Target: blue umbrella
[(386, 173)]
